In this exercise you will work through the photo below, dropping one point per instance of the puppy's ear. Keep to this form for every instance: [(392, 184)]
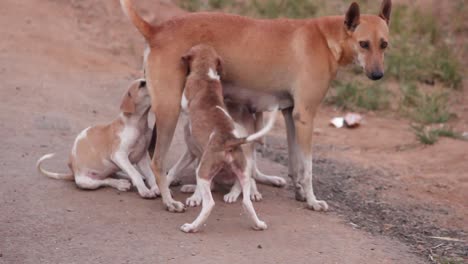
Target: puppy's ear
[(186, 60), (386, 10), (220, 67), (352, 17), (128, 105)]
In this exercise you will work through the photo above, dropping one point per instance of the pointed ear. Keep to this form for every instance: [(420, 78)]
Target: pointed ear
[(352, 17), (186, 60), (386, 10), (220, 67), (127, 106)]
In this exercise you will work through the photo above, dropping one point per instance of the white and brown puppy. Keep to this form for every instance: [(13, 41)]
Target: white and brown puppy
[(215, 136), (247, 123), (100, 151)]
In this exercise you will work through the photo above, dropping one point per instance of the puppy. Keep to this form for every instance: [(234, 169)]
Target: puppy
[(100, 151), (214, 134), (250, 123)]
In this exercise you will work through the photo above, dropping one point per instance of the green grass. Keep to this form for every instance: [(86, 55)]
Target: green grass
[(431, 109), (430, 136), (356, 95), (284, 8), (418, 51)]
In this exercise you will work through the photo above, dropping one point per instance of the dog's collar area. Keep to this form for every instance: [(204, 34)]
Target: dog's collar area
[(213, 75)]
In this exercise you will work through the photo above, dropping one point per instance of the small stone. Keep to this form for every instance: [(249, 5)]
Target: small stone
[(1, 255), (259, 246)]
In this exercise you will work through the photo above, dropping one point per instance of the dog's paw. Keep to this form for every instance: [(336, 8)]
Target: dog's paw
[(188, 188), (194, 200), (175, 206), (256, 196), (123, 185), (146, 193), (156, 190), (318, 205), (260, 226), (278, 182), (188, 228), (231, 197)]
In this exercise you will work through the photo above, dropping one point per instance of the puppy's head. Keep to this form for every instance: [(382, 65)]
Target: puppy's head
[(136, 99), (369, 36), (203, 61)]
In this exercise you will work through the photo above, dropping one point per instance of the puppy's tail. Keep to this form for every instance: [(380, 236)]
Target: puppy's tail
[(54, 175), (239, 141), (144, 27)]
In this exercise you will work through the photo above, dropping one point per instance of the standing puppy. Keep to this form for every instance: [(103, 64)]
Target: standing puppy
[(100, 151), (214, 133)]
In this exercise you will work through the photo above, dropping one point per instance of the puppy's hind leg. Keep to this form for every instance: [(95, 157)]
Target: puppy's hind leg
[(205, 173), (244, 179), (88, 183), (264, 178)]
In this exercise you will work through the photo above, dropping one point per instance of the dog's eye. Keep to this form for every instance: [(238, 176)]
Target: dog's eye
[(384, 45), (364, 44)]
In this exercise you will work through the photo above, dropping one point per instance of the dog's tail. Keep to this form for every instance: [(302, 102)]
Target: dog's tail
[(253, 137), (144, 27), (54, 175)]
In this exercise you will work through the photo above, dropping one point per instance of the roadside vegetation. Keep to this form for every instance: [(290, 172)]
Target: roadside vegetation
[(421, 60)]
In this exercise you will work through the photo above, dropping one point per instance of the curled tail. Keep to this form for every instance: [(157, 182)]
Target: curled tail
[(244, 140), (144, 27), (54, 175)]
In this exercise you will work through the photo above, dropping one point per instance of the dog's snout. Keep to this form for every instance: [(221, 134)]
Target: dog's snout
[(376, 75)]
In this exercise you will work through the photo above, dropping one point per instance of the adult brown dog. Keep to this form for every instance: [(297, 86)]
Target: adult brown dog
[(285, 62)]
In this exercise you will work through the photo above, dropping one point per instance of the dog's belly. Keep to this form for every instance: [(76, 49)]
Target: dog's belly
[(256, 101)]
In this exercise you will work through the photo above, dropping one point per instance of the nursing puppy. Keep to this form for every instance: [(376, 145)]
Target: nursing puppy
[(215, 135), (100, 151), (248, 123)]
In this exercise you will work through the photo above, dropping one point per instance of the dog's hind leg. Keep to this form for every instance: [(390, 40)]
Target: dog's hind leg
[(88, 183), (245, 181), (205, 173), (165, 78)]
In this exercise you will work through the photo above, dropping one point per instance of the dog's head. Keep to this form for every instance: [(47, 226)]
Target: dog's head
[(368, 37), (136, 99), (203, 61)]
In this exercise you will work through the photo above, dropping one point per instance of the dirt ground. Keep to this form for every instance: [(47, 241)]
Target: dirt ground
[(64, 66)]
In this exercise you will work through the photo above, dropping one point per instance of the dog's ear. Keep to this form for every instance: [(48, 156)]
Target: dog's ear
[(352, 17), (386, 10), (128, 105), (186, 61), (220, 67)]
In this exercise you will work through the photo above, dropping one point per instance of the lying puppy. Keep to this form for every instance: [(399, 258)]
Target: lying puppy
[(100, 151), (214, 134), (250, 123)]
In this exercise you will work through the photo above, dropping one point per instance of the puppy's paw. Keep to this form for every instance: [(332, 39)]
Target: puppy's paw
[(156, 190), (231, 197), (146, 193), (256, 196), (318, 205), (174, 206), (194, 200), (188, 188), (123, 185), (260, 226), (278, 182), (188, 228)]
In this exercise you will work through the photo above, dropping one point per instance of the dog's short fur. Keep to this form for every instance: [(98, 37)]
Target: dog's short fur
[(214, 134), (284, 62), (100, 151)]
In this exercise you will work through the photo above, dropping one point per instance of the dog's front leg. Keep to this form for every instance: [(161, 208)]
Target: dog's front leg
[(121, 159), (303, 116), (145, 167)]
